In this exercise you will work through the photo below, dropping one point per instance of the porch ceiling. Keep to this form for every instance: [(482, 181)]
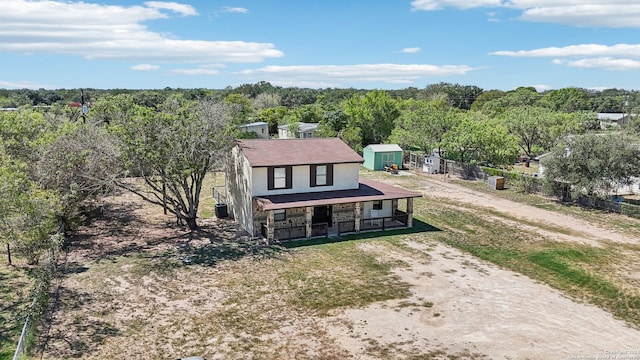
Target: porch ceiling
[(369, 190)]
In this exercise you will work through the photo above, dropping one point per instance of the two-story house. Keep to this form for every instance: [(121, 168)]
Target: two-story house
[(300, 188)]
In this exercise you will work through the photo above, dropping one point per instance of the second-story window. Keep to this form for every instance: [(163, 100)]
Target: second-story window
[(321, 175), (279, 178)]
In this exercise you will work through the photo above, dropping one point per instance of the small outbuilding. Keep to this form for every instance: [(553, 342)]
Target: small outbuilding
[(377, 156), (261, 129), (432, 163)]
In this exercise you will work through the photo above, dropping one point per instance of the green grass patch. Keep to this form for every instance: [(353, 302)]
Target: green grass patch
[(340, 275)]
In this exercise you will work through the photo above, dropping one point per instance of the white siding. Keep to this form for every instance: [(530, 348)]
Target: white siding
[(387, 208), (345, 177), (238, 186)]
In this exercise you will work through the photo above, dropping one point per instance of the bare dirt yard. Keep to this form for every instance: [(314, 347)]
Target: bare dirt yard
[(137, 286)]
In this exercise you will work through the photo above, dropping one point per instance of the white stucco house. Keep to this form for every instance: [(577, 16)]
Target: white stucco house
[(261, 128), (300, 188), (304, 131)]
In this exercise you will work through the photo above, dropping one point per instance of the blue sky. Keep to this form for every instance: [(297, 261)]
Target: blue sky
[(376, 44)]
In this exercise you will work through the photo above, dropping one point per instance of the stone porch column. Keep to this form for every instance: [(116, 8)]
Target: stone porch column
[(409, 212), (308, 221), (357, 217), (271, 226)]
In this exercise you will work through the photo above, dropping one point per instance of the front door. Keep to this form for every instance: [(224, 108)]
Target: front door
[(322, 214)]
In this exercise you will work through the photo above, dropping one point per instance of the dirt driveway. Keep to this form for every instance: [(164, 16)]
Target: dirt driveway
[(481, 310), (436, 186)]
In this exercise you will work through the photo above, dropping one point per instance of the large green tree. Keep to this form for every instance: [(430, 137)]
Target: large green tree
[(374, 114), (423, 124), (592, 164), (27, 212), (172, 150), (477, 139)]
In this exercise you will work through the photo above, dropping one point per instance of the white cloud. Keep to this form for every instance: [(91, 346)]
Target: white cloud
[(588, 56), (541, 87), (604, 13), (96, 31), (185, 10), (603, 63), (340, 74), (410, 50), (145, 67), (632, 50), (238, 10), (24, 85), (429, 5)]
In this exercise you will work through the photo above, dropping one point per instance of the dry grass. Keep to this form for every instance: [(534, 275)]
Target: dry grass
[(15, 286), (136, 286)]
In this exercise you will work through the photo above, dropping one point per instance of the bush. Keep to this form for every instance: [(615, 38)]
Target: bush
[(630, 210)]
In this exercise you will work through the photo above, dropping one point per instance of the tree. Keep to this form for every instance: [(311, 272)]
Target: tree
[(333, 122), (477, 139), (265, 100), (172, 150), (27, 212), (79, 166), (374, 113), (566, 100), (273, 117), (241, 108), (592, 164), (423, 124)]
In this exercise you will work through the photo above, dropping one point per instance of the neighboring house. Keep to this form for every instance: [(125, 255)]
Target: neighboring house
[(261, 128), (300, 188), (377, 156), (615, 119), (304, 131), (432, 163)]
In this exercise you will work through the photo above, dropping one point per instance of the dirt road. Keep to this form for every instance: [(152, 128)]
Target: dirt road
[(568, 228)]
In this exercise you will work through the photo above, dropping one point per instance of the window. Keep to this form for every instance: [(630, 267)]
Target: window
[(279, 215), (279, 177), (377, 205), (321, 175)]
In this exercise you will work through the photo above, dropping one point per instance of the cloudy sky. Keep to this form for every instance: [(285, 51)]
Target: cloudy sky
[(374, 44)]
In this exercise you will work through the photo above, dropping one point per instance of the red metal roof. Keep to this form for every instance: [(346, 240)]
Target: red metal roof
[(369, 190), (278, 152)]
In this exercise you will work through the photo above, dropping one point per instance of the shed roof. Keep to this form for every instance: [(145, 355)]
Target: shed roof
[(384, 147), (278, 152), (368, 190)]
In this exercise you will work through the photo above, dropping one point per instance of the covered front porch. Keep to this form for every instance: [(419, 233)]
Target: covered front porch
[(373, 206)]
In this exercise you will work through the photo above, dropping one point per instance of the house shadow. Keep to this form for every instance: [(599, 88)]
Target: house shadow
[(419, 226)]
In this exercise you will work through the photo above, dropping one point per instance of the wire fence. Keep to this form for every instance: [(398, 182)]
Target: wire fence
[(44, 275)]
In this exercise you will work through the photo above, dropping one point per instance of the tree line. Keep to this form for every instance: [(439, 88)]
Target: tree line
[(159, 144)]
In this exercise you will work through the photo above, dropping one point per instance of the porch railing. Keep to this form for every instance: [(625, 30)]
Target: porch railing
[(283, 233), (320, 229), (399, 219)]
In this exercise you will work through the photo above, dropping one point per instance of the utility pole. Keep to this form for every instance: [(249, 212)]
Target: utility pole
[(84, 106)]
